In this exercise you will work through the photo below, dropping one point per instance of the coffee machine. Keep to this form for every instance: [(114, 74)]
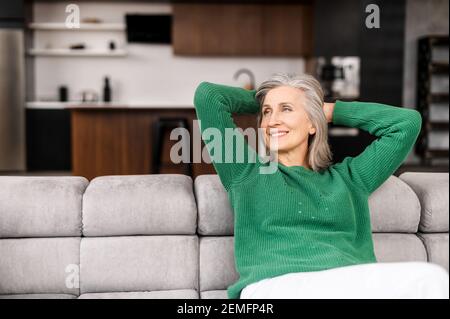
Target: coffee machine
[(339, 77)]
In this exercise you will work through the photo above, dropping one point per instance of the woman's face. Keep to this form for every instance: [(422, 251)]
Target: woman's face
[(283, 112)]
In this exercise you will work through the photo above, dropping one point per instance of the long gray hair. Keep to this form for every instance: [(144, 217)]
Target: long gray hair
[(319, 154)]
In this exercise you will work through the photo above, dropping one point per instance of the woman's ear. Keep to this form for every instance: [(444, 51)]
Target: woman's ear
[(312, 130)]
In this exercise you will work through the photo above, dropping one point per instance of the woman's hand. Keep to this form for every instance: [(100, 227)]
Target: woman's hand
[(328, 109)]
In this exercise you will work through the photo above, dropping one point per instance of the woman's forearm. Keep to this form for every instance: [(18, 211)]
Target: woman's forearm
[(214, 105), (216, 98), (397, 129)]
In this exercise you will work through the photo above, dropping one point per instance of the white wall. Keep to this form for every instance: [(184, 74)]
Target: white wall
[(149, 74)]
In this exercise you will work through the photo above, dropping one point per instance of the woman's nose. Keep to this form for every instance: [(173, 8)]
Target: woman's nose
[(274, 119)]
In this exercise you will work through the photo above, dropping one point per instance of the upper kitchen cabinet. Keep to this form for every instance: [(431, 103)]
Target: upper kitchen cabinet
[(242, 30), (216, 29), (11, 14), (287, 30)]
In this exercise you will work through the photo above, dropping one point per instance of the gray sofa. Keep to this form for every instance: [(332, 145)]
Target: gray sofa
[(167, 236)]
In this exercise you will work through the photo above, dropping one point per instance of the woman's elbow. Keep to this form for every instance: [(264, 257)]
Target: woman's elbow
[(416, 121), (202, 93), (412, 126)]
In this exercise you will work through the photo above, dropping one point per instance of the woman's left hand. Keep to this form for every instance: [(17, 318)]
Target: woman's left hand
[(328, 109)]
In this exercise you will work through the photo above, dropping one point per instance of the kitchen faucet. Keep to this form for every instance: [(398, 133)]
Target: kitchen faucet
[(251, 85)]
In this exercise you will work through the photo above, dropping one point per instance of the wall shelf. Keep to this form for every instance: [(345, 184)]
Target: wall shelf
[(439, 97), (77, 53), (427, 68), (57, 26), (438, 125)]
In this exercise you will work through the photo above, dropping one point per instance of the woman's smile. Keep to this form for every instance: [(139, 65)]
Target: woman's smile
[(278, 133)]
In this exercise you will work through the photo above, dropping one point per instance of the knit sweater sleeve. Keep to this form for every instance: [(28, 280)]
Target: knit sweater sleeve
[(397, 130), (230, 154)]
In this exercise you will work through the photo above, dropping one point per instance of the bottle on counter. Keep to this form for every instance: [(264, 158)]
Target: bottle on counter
[(106, 90), (63, 93)]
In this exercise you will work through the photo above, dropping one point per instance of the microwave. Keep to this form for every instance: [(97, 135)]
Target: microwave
[(149, 28)]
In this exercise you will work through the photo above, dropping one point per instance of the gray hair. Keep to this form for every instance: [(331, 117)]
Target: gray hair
[(319, 154)]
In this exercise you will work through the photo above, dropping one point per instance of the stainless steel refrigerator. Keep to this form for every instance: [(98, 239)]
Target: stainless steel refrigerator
[(12, 98)]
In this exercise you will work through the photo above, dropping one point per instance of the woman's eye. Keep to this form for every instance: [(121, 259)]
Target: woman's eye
[(286, 108)]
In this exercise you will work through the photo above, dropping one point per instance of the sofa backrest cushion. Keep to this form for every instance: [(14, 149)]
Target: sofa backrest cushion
[(432, 191), (41, 206), (215, 215), (159, 204), (394, 207)]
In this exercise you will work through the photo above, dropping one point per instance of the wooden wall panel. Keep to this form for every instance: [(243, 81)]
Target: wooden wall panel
[(242, 29)]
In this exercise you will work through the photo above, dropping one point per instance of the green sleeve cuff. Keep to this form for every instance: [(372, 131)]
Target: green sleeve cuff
[(343, 111)]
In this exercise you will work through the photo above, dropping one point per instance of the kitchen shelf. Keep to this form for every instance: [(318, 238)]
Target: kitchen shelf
[(439, 67), (438, 125), (78, 53), (439, 97), (436, 153), (56, 26), (426, 70), (437, 41)]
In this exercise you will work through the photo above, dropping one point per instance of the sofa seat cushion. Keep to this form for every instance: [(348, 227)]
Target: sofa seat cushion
[(40, 266), (217, 263), (161, 294), (39, 296), (437, 248), (398, 248), (138, 263), (214, 294)]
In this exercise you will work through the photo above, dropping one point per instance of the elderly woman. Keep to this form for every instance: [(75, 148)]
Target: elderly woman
[(304, 230)]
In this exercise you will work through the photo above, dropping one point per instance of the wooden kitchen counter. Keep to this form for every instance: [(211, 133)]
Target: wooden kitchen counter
[(117, 140)]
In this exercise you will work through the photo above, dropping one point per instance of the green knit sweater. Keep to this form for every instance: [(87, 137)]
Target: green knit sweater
[(296, 219)]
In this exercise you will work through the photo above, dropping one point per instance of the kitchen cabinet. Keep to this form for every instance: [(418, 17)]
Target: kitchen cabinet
[(13, 10), (287, 30), (48, 140), (12, 14), (119, 140), (242, 29)]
